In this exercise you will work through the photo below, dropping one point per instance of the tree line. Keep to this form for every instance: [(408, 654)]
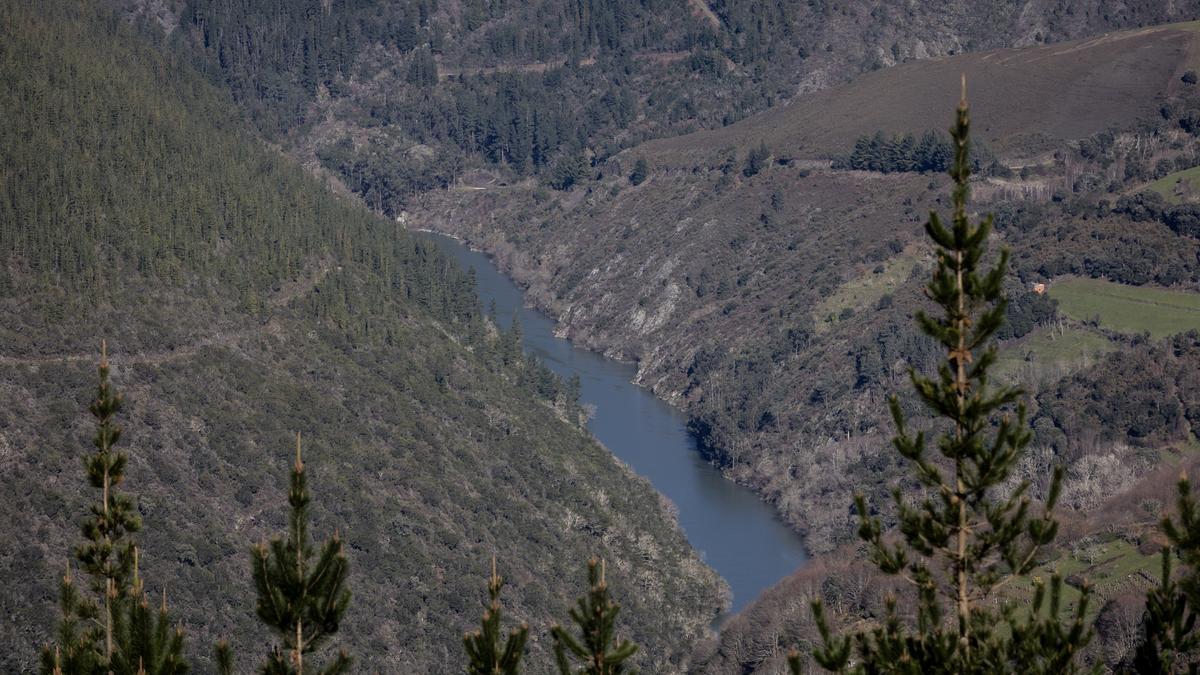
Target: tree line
[(932, 153)]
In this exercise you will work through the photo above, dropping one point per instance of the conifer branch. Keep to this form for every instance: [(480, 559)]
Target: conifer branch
[(1170, 641)]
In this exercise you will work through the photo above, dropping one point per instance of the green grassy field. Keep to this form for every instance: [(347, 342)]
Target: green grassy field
[(1111, 567), (1193, 26), (1049, 354), (1128, 309), (864, 291), (1165, 186)]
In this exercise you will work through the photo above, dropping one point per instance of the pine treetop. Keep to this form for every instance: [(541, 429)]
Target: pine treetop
[(485, 653), (302, 594), (964, 538), (107, 556), (601, 652)]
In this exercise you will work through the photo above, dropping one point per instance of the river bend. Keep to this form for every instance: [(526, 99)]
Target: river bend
[(735, 532)]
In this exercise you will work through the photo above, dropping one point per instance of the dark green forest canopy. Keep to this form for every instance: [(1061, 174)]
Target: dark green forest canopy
[(274, 55), (499, 82), (112, 171)]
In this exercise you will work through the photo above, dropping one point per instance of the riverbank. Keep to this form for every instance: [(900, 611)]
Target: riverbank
[(736, 533)]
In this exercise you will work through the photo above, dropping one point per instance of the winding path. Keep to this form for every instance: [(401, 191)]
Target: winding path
[(286, 293)]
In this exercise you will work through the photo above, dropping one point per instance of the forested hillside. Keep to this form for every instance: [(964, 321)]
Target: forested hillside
[(242, 302), (396, 98)]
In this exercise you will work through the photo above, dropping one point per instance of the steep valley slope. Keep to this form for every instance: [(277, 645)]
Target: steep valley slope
[(774, 301), (243, 302), (777, 307)]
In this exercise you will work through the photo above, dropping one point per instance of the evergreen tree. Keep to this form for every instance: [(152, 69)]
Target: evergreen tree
[(407, 37), (224, 658), (906, 150), (932, 153), (875, 159), (422, 69), (923, 153), (860, 157), (903, 153), (756, 161), (641, 171), (963, 541), (299, 597), (110, 628), (486, 655), (510, 342), (151, 646), (1170, 640), (596, 616), (568, 171), (891, 155), (572, 392)]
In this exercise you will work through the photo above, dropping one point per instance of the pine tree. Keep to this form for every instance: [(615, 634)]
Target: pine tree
[(110, 627), (568, 171), (1170, 638), (79, 635), (875, 159), (641, 170), (224, 658), (964, 541), (860, 157), (756, 160), (301, 599), (486, 655), (406, 36), (510, 342), (153, 647), (596, 616), (572, 392)]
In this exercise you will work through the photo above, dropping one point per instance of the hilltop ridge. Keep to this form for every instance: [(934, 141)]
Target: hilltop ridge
[(1026, 99)]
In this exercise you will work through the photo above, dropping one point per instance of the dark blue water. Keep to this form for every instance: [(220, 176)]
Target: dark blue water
[(737, 534)]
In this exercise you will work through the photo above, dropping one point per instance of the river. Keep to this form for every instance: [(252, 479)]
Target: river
[(735, 532)]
